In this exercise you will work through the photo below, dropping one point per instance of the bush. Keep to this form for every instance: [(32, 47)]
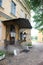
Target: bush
[(1, 53), (29, 44)]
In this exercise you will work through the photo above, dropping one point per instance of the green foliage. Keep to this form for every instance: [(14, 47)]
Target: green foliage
[(1, 53), (29, 44), (37, 7), (38, 18), (35, 4), (27, 3)]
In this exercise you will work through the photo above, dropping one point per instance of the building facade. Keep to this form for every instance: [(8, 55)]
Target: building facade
[(40, 37), (13, 9)]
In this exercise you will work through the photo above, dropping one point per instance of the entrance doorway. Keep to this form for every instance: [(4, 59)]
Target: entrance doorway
[(12, 35), (21, 35)]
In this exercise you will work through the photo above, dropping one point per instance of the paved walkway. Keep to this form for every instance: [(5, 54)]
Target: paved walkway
[(33, 57)]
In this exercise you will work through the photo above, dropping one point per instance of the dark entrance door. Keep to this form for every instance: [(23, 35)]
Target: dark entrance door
[(21, 34), (12, 34)]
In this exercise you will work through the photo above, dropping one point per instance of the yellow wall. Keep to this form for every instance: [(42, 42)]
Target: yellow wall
[(6, 9), (3, 35), (40, 36)]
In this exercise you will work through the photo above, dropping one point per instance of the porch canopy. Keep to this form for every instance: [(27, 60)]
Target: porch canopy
[(21, 22)]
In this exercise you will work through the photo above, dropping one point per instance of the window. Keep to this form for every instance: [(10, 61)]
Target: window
[(22, 14), (13, 8), (0, 2)]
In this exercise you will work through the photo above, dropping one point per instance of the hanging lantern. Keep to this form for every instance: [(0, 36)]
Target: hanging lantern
[(12, 34)]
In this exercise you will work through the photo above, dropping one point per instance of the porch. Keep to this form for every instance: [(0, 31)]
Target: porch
[(14, 30)]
